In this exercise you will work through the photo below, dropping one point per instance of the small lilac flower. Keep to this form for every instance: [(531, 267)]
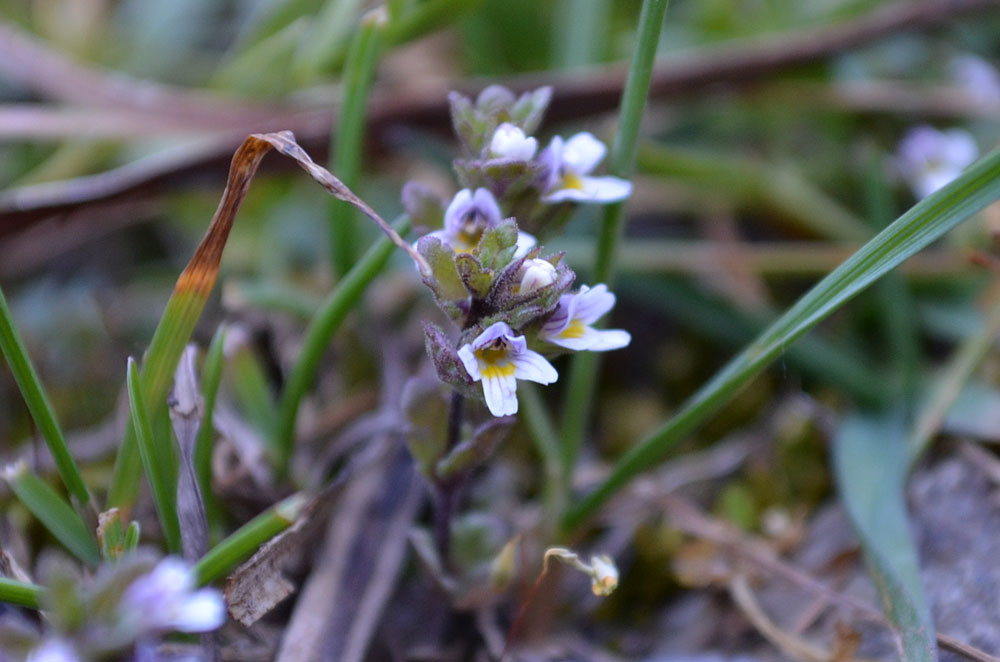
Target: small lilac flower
[(53, 650), (509, 142), (570, 327), (468, 216), (567, 165), (535, 274), (166, 599), (928, 159), (498, 358)]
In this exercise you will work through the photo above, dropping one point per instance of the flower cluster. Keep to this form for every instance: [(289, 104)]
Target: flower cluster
[(129, 605), (511, 300)]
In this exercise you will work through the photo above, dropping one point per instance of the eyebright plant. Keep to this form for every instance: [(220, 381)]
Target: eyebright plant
[(513, 303)]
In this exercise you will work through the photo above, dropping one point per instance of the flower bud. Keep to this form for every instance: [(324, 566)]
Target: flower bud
[(604, 575), (509, 142), (536, 274)]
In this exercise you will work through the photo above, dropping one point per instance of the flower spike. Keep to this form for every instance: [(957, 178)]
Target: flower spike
[(498, 358)]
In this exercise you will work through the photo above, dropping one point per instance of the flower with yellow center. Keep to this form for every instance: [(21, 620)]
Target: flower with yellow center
[(498, 358), (469, 215), (570, 325), (568, 165)]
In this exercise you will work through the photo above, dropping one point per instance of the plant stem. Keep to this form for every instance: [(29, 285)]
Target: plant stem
[(446, 490), (584, 369)]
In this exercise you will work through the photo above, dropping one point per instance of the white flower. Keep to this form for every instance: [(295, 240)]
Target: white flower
[(509, 142), (604, 575), (468, 216), (977, 77), (535, 274), (568, 164), (928, 159), (601, 570), (499, 358), (570, 327), (53, 650), (166, 599)]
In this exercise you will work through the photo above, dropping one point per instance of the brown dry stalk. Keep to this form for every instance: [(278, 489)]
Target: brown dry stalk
[(199, 276)]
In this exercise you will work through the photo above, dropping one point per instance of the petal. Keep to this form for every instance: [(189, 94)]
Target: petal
[(593, 340), (959, 148), (201, 612), (468, 358), (494, 331), (583, 152), (458, 208), (525, 242), (484, 203), (592, 303), (500, 390), (560, 319), (550, 161), (602, 340), (593, 189), (534, 367)]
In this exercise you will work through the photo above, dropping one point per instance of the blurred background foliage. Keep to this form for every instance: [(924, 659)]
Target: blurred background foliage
[(747, 193)]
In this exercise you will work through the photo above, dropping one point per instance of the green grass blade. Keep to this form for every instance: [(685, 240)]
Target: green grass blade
[(977, 187), (20, 593), (949, 385), (211, 377), (870, 461), (164, 490), (347, 136), (583, 370), (245, 541), (53, 512), (39, 406), (326, 322)]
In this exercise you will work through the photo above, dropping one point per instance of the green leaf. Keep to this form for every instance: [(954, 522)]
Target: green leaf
[(164, 490), (39, 405), (53, 512), (871, 462), (933, 216)]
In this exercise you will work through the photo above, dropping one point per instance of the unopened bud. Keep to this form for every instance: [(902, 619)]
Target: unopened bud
[(604, 575), (509, 142), (536, 274)]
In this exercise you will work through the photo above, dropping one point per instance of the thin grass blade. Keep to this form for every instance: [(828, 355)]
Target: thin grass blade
[(53, 512), (932, 217), (871, 463), (40, 408), (211, 376), (322, 327), (244, 541), (20, 593), (164, 490)]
